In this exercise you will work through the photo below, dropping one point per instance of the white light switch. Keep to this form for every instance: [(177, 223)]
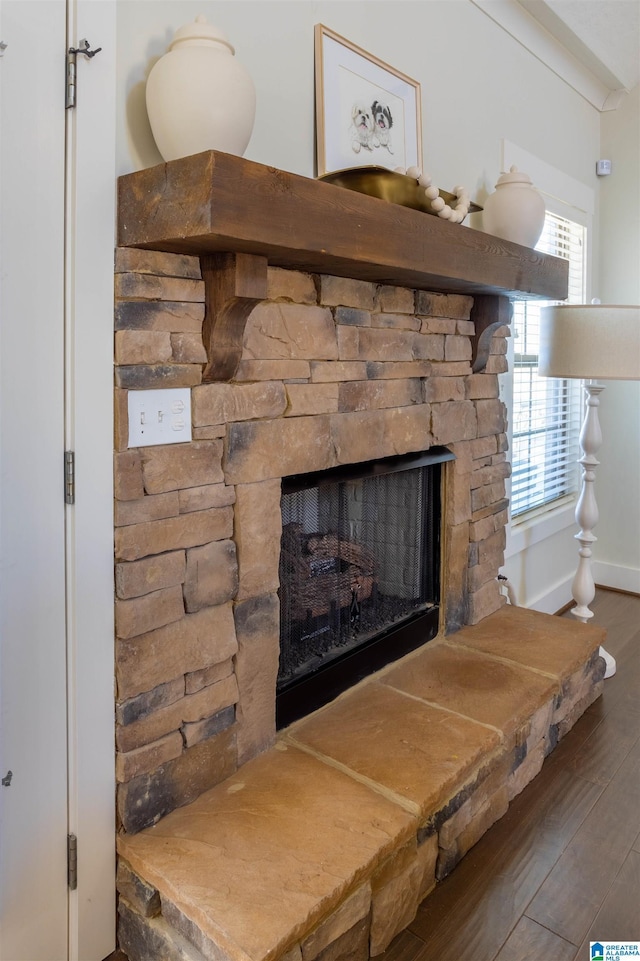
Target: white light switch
[(159, 416)]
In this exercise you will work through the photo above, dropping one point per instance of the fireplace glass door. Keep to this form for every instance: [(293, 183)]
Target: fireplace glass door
[(359, 574)]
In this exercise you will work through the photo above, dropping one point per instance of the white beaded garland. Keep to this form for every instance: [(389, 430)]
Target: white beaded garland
[(455, 214)]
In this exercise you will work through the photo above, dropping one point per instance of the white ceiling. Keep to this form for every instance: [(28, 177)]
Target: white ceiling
[(604, 35)]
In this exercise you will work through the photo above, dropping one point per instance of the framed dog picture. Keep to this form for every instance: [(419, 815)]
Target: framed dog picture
[(367, 113)]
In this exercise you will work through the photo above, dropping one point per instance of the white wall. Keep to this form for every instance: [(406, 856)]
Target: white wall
[(617, 552), (479, 86)]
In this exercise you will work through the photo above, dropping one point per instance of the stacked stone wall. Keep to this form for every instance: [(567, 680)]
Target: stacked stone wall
[(333, 371)]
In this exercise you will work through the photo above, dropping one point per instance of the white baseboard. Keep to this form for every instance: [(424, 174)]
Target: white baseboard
[(605, 575), (550, 601), (617, 577)]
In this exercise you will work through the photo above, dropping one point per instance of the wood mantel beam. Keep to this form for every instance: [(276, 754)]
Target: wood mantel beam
[(214, 202), (234, 284)]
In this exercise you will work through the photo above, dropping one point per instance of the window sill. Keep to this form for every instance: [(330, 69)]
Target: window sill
[(538, 527)]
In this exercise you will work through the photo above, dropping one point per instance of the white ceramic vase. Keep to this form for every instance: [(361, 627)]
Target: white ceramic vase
[(199, 97), (515, 211)]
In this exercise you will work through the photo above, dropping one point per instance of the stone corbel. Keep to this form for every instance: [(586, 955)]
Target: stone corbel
[(234, 284), (488, 313)]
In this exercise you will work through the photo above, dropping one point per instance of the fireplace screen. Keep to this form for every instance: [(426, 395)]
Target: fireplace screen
[(359, 574)]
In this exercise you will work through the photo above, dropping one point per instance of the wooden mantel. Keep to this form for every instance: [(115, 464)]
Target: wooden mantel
[(215, 202), (239, 216)]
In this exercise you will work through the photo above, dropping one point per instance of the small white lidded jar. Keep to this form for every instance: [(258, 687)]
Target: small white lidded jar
[(199, 97), (515, 211)]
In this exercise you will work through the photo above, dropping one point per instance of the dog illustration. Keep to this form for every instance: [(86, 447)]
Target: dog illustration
[(382, 122), (362, 128)]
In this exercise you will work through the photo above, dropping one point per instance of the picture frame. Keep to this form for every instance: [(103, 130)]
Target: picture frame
[(367, 112)]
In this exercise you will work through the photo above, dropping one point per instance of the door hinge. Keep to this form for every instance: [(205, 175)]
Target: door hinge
[(72, 54), (69, 477), (72, 861)]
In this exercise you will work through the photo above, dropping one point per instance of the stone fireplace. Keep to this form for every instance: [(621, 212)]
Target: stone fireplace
[(310, 348), (334, 371)]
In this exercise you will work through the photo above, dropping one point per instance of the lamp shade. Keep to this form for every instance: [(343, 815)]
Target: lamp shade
[(590, 341)]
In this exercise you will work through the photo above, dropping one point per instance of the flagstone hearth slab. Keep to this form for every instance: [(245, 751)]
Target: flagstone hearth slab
[(255, 862), (421, 754), (554, 645), (472, 683)]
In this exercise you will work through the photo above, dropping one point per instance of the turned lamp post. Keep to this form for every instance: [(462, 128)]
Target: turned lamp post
[(589, 342)]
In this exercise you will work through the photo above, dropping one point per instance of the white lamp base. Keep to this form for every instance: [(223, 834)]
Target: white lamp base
[(610, 661), (583, 587)]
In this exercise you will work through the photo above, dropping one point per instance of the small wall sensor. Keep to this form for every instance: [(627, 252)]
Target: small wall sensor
[(603, 168)]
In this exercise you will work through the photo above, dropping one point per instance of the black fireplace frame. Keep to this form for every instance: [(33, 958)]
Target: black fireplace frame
[(304, 695)]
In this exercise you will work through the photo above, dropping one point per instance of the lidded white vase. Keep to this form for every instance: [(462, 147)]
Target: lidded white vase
[(515, 211), (199, 97)]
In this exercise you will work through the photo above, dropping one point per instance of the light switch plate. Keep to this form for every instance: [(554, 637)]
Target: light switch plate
[(159, 416)]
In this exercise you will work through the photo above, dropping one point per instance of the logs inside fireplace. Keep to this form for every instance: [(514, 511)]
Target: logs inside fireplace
[(359, 574)]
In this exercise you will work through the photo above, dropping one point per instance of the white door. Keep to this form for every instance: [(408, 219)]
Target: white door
[(33, 718), (56, 573), (89, 432)]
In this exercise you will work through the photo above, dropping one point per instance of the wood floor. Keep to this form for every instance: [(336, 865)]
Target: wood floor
[(562, 867)]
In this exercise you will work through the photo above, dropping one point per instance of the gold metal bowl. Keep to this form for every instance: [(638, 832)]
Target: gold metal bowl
[(388, 185)]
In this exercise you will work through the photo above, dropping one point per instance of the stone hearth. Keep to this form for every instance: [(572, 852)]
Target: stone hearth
[(322, 848)]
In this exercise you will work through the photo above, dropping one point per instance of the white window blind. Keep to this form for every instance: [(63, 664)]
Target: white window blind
[(546, 410)]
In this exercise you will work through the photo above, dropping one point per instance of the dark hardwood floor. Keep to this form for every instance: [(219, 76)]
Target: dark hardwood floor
[(562, 867)]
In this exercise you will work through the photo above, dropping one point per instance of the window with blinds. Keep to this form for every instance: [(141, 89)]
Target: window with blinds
[(546, 410)]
